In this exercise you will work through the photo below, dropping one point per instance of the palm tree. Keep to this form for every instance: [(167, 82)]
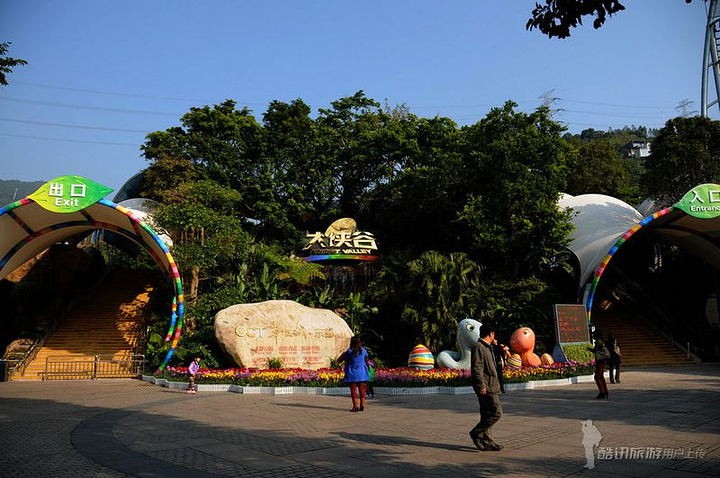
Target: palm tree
[(440, 294)]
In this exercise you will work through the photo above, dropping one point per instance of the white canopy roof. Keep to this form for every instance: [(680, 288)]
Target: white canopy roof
[(599, 222)]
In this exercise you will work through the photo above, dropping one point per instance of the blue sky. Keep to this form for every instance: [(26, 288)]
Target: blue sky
[(101, 75)]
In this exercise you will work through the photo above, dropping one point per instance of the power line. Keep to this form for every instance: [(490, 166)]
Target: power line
[(206, 101), (100, 92), (114, 93), (61, 125), (619, 115), (85, 107), (44, 138), (619, 106)]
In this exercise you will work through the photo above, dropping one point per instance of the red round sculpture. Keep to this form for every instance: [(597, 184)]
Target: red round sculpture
[(522, 342)]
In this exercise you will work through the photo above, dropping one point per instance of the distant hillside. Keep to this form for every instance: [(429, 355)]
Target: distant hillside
[(10, 188)]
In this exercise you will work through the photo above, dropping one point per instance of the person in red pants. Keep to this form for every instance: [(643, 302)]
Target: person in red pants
[(356, 372), (601, 356)]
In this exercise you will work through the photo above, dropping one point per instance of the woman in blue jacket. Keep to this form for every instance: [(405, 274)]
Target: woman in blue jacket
[(356, 371)]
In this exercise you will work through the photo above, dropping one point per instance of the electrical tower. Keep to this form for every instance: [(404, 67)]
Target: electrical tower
[(711, 63), (548, 100)]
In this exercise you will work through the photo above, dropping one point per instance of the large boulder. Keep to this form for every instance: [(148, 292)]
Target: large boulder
[(300, 336)]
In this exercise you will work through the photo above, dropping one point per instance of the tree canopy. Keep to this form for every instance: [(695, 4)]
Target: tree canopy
[(685, 153), (466, 218), (557, 17), (7, 63)]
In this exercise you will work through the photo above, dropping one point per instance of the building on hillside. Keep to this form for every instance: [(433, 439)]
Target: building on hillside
[(638, 149)]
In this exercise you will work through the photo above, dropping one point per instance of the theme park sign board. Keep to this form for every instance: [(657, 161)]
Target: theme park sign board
[(340, 245), (66, 194), (701, 201)]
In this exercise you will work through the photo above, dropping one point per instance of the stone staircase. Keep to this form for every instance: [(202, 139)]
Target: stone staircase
[(640, 344), (108, 324)]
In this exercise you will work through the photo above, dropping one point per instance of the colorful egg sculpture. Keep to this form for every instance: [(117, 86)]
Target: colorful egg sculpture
[(421, 358), (547, 359), (514, 361)]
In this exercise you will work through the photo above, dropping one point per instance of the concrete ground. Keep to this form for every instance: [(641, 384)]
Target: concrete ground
[(658, 422)]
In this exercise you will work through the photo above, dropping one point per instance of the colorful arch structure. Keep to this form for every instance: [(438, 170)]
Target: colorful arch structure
[(692, 224), (69, 205)]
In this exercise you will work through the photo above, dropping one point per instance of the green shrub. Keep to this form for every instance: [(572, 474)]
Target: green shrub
[(578, 352), (274, 363)]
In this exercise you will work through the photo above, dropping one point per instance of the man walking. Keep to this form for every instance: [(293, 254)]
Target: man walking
[(486, 384)]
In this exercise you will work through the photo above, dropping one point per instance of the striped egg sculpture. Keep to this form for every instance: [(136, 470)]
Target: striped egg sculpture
[(547, 359), (514, 362), (421, 358)]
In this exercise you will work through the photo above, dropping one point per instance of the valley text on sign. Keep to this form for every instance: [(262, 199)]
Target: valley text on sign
[(357, 245)]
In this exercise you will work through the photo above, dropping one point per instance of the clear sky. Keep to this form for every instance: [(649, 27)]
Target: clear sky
[(102, 74)]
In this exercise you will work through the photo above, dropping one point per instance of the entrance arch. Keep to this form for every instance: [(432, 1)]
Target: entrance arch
[(71, 205), (692, 224)]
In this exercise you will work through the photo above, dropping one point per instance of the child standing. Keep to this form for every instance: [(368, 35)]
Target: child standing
[(371, 378), (192, 372)]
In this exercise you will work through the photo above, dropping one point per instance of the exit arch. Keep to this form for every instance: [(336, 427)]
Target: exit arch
[(28, 227)]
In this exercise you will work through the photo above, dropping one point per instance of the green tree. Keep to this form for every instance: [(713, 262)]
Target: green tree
[(598, 169), (426, 191), (226, 145), (685, 153), (206, 234), (439, 295), (7, 63), (516, 165), (162, 179), (304, 174), (623, 171), (366, 145), (519, 303), (481, 194)]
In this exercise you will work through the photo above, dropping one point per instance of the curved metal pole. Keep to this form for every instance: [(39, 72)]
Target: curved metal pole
[(710, 58)]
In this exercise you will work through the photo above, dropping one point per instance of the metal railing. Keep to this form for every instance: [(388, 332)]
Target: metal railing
[(71, 367), (21, 364)]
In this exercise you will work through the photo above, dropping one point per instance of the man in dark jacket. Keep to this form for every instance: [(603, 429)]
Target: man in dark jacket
[(486, 384)]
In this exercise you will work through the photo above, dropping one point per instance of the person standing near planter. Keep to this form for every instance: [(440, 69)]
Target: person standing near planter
[(192, 372), (356, 372), (486, 384), (501, 353), (613, 363), (601, 356)]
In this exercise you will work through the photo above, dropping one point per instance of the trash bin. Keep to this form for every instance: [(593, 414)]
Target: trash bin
[(3, 371)]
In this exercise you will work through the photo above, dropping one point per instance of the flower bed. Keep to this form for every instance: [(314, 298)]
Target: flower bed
[(397, 377)]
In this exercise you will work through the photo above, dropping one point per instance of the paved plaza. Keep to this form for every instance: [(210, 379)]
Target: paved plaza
[(661, 422)]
